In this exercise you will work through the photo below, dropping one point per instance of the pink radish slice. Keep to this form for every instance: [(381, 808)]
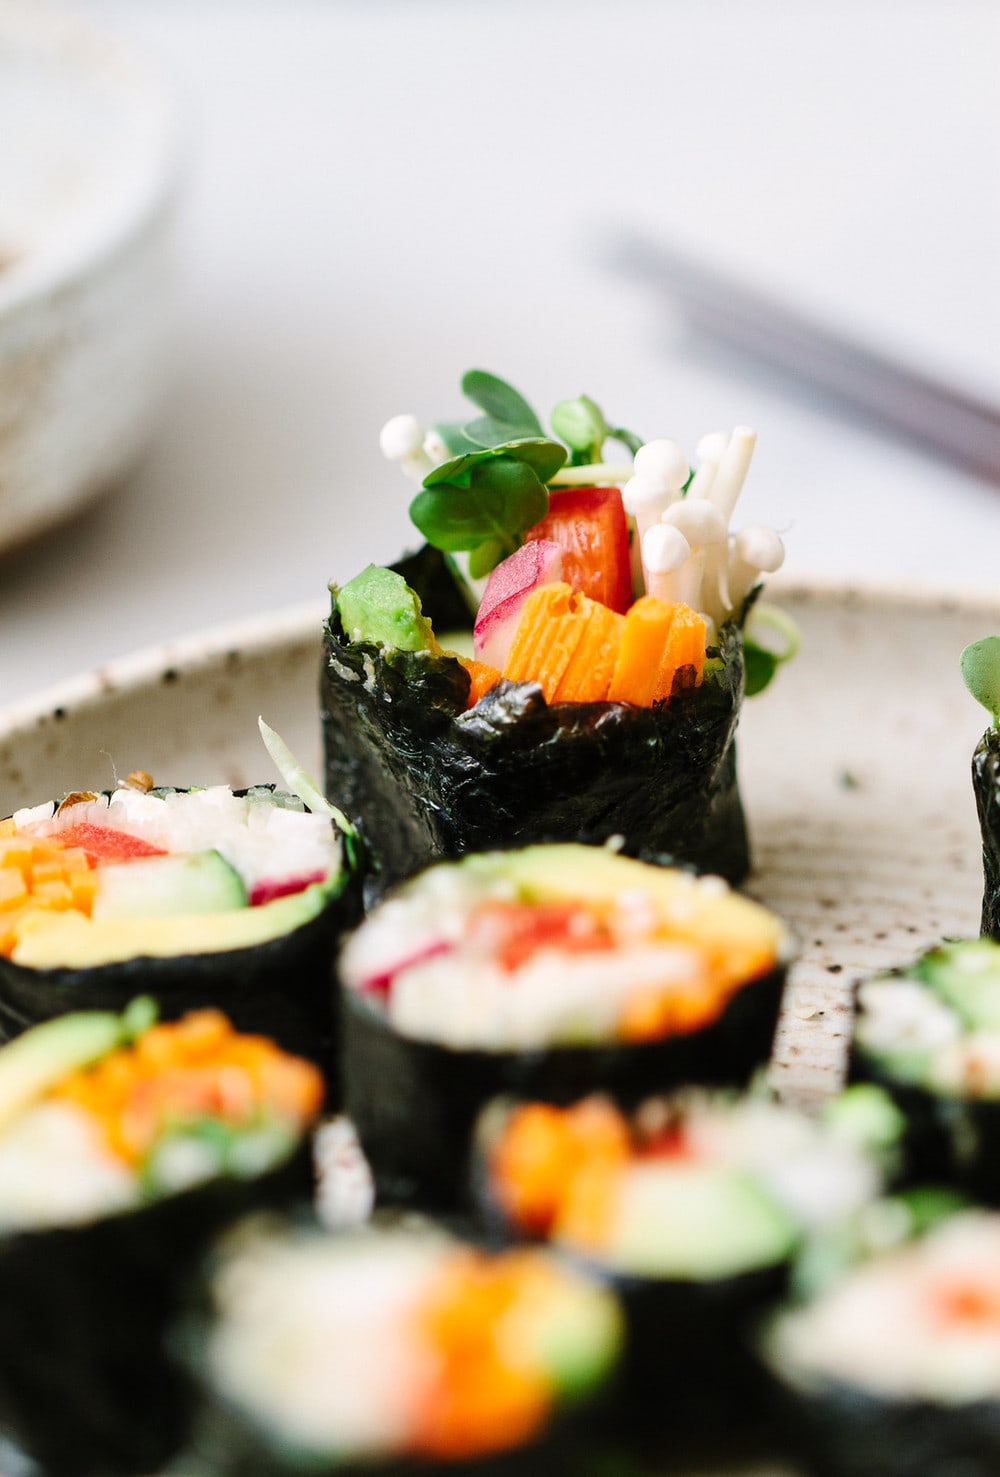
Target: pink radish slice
[(536, 563), (270, 888), (379, 983)]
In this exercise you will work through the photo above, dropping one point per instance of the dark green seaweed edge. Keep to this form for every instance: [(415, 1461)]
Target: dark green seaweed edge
[(415, 1103), (87, 1382), (986, 788), (423, 777)]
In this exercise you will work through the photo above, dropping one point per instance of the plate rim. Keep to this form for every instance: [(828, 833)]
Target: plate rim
[(268, 630)]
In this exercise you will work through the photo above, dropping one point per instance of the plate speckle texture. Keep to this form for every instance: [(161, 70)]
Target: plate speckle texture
[(855, 770)]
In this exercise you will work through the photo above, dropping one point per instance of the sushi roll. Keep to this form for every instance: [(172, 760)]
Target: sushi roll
[(693, 1208), (930, 1034), (126, 1145), (893, 1370), (981, 670), (394, 1351), (547, 972), (200, 897), (581, 677)]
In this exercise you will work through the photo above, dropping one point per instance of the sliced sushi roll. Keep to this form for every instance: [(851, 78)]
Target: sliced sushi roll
[(395, 1351), (930, 1034), (893, 1370), (693, 1208), (579, 674), (546, 972), (125, 1146), (199, 897)]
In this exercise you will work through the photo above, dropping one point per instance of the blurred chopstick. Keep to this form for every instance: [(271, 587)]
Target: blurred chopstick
[(957, 426)]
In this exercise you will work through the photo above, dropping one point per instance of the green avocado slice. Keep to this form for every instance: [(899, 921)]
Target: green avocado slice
[(378, 605), (41, 1057), (72, 941)]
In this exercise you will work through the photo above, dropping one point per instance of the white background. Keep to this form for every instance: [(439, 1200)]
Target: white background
[(378, 196)]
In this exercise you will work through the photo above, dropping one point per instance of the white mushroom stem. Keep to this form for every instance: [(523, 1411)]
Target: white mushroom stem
[(665, 550), (705, 529), (660, 472), (731, 475), (402, 441), (756, 550)]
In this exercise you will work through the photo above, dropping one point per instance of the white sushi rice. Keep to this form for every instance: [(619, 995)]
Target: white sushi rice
[(315, 1340), (886, 1328), (448, 987), (552, 997), (54, 1171), (818, 1176), (261, 840), (906, 1024)]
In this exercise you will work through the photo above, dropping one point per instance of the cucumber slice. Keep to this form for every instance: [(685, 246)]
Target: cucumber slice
[(163, 886), (696, 1223)]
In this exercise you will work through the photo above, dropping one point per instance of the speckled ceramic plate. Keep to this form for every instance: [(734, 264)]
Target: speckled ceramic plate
[(854, 767)]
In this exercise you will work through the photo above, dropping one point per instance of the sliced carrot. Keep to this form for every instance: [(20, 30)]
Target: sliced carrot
[(685, 649), (7, 827), (54, 894), (640, 655), (483, 678), (588, 675), (13, 888), (547, 634)]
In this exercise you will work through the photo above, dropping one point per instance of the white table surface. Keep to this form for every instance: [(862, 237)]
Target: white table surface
[(380, 195)]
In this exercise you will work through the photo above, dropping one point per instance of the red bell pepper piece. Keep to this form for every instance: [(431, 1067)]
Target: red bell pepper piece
[(590, 526)]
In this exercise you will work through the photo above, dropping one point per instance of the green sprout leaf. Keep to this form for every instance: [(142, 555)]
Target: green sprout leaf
[(761, 659), (486, 556), (453, 435), (501, 404), (980, 664), (497, 498), (544, 457), (581, 424)]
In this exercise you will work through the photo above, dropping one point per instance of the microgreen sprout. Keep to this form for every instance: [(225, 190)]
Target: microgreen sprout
[(761, 657), (980, 663), (485, 483)]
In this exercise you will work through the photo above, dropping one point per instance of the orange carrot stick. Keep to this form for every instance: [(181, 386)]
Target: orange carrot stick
[(685, 648), (548, 632), (588, 675), (483, 678), (640, 656)]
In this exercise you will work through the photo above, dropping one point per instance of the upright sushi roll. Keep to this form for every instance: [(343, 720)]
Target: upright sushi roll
[(394, 1352), (202, 897), (930, 1034), (893, 1369), (590, 686), (547, 972), (125, 1146), (693, 1208), (981, 671)]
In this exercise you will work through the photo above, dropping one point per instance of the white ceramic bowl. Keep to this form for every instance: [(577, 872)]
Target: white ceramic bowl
[(88, 164)]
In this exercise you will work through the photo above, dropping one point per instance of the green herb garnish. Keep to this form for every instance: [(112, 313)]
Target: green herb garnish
[(492, 489), (980, 663)]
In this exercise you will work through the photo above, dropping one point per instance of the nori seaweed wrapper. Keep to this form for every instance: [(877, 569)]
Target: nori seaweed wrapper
[(86, 1384), (947, 1140), (986, 787), (280, 988), (415, 1103), (425, 779), (839, 1431)]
